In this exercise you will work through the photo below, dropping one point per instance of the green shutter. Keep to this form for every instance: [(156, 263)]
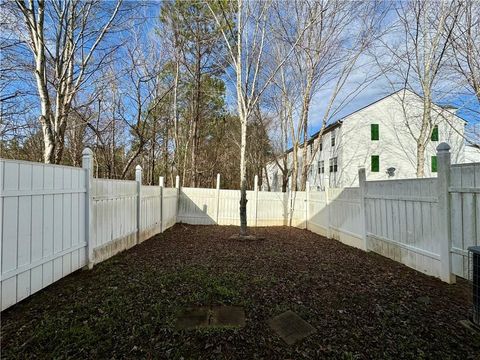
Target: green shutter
[(434, 164), (374, 132), (375, 163), (435, 133)]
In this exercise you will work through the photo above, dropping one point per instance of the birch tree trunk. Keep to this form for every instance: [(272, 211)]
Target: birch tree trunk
[(73, 28)]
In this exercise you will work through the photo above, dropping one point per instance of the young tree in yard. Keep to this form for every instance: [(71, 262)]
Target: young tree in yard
[(246, 41), (418, 62)]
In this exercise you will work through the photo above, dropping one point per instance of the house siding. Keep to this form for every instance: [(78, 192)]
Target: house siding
[(396, 147)]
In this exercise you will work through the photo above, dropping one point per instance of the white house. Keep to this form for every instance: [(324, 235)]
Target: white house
[(379, 137)]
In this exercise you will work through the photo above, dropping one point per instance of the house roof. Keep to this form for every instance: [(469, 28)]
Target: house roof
[(339, 122)]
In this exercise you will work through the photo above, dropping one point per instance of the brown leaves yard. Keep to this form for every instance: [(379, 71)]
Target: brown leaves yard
[(363, 305)]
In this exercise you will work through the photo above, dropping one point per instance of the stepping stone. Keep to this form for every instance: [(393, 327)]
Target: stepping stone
[(210, 317), (291, 327), (227, 316), (192, 318)]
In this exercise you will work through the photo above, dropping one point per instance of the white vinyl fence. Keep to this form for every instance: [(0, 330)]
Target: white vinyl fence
[(42, 224), (218, 206), (57, 219), (464, 190), (402, 222)]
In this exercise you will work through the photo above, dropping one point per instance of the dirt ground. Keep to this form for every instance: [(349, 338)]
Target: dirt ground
[(363, 306)]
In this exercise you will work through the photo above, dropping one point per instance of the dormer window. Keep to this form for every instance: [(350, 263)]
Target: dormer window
[(333, 138)]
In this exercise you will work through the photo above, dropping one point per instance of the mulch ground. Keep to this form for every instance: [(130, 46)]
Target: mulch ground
[(362, 305)]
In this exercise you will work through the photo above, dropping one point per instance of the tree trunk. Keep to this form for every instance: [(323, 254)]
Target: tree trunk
[(48, 140), (420, 160), (424, 132), (304, 119), (294, 167), (243, 181)]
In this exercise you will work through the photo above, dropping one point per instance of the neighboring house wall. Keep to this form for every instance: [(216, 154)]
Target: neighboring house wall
[(395, 147), (472, 154)]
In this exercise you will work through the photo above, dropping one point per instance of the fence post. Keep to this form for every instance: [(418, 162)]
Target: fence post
[(307, 195), (218, 198), (362, 178), (255, 189), (87, 164), (138, 179), (289, 204), (161, 184), (177, 186), (444, 230), (327, 207)]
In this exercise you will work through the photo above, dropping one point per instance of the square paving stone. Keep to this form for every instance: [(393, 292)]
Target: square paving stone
[(291, 327), (192, 318), (228, 316), (210, 317)]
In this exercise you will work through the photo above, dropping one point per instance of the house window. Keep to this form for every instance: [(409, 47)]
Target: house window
[(321, 167), (434, 164), (435, 133), (321, 145), (374, 133), (333, 138), (311, 149), (333, 165), (375, 163)]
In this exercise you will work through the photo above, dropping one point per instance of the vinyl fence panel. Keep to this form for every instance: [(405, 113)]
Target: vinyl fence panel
[(42, 226), (401, 221), (114, 217), (151, 212), (170, 207), (345, 216), (465, 214)]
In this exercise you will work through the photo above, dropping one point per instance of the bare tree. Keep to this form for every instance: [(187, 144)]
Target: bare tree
[(466, 45), (246, 40), (142, 92), (64, 38), (426, 29), (324, 60)]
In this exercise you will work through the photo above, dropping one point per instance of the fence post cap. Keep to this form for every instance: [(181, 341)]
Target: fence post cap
[(87, 152), (443, 147), (138, 167)]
